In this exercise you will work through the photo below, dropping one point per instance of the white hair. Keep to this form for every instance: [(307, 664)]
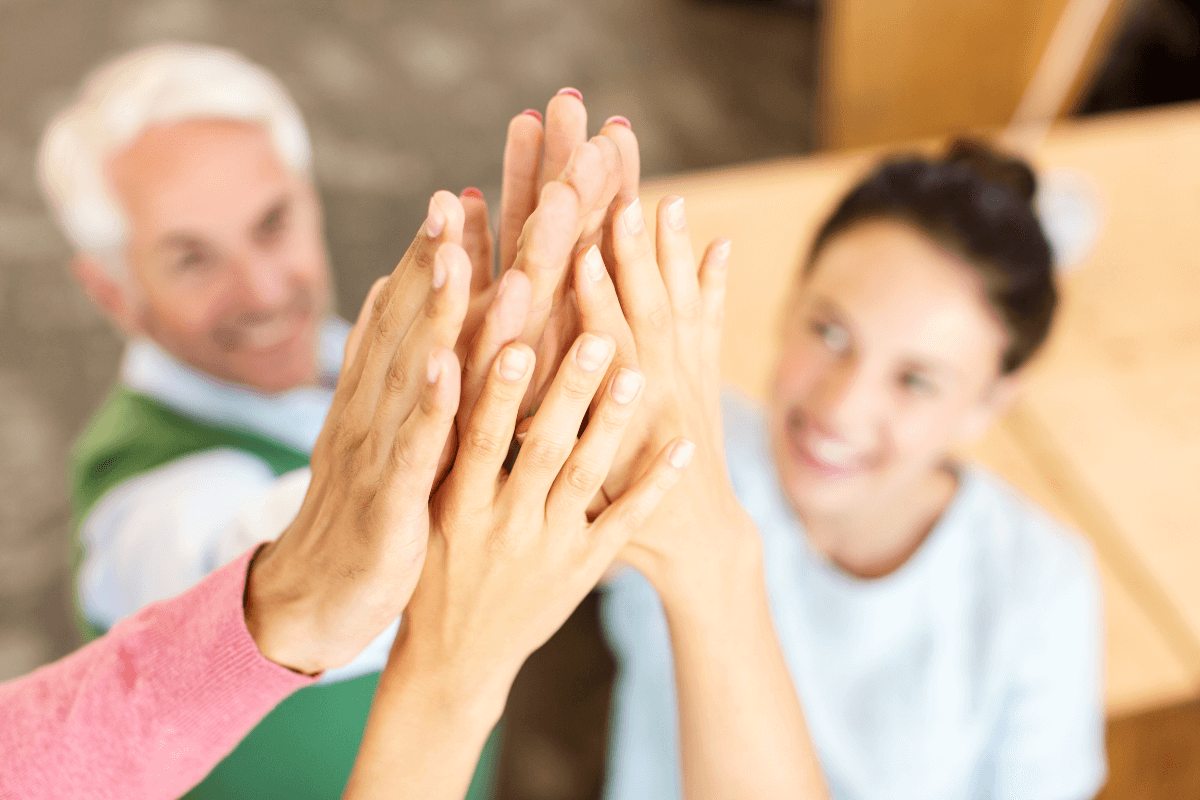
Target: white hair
[(160, 84)]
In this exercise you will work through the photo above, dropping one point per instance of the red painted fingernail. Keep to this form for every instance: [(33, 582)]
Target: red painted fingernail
[(471, 191), (617, 120), (533, 112), (575, 92)]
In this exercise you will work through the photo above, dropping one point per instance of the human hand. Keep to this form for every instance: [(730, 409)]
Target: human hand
[(669, 315), (511, 555), (345, 568)]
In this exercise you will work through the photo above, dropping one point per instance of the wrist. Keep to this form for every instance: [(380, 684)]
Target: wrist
[(467, 694), (717, 578), (279, 616)]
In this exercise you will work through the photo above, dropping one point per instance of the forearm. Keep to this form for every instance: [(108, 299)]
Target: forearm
[(426, 730), (742, 730), (147, 710)]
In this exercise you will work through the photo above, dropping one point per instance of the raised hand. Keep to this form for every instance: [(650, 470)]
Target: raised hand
[(346, 567), (742, 731), (510, 556)]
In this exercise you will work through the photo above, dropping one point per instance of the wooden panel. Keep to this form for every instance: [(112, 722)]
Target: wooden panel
[(902, 69), (1117, 396), (1144, 668)]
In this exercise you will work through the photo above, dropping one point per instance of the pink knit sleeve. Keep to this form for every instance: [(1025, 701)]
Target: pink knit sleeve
[(147, 710)]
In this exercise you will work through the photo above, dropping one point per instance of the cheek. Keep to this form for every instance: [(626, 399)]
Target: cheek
[(925, 432), (800, 369)]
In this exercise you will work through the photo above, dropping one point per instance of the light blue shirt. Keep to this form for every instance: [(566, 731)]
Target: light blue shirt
[(973, 671)]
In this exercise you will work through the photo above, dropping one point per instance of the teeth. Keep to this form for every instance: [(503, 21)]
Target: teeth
[(268, 334), (836, 454)]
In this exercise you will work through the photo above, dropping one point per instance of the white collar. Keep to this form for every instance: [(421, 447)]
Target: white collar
[(293, 417)]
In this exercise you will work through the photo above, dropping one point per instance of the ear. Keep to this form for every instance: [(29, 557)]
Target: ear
[(107, 293), (993, 404)]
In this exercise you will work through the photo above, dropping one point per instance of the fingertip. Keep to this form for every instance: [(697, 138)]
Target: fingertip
[(681, 452), (514, 362), (719, 250), (673, 213)]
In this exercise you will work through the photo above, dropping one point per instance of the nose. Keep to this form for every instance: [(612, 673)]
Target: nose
[(847, 403), (262, 281)]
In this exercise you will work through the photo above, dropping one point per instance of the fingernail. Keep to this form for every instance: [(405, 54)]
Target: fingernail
[(436, 221), (625, 386), (681, 453), (533, 112), (593, 263), (439, 271), (721, 249), (471, 191), (433, 369), (617, 119), (633, 217), (520, 436), (514, 364), (593, 352), (573, 92), (675, 216)]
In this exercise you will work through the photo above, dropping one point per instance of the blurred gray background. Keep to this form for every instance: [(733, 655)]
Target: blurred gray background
[(402, 98)]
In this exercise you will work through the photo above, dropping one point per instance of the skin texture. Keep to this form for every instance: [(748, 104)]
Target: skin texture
[(890, 358), (226, 257)]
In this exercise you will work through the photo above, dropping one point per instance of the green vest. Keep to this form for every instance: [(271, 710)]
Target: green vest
[(306, 747)]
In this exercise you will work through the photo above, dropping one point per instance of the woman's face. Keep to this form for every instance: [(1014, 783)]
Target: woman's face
[(890, 355)]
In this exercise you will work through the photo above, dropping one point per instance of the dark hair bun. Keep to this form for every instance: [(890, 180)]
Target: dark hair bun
[(1006, 171)]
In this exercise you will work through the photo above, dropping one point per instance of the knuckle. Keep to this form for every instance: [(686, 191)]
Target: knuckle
[(658, 316), (397, 378), (577, 390), (484, 444), (691, 307), (542, 455), (582, 478)]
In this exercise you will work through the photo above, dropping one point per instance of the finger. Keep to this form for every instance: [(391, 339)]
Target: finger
[(714, 270), (677, 263), (396, 305), (436, 327), (484, 445), (503, 323), (556, 424), (545, 253), (417, 446), (587, 466), (613, 528), (619, 130), (520, 185), (599, 309), (477, 237), (639, 283), (354, 338), (596, 189), (566, 128)]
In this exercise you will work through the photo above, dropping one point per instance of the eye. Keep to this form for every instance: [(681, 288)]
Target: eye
[(917, 383), (272, 224), (832, 335), (191, 260)]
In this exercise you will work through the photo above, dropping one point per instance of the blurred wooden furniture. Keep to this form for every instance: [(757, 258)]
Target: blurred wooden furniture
[(1106, 435), (895, 70)]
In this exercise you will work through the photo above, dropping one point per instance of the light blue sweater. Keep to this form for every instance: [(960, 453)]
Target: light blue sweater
[(973, 671)]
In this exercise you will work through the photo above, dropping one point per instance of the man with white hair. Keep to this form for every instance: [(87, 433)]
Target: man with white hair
[(181, 175)]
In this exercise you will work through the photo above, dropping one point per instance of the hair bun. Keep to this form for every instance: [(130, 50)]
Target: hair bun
[(1004, 170)]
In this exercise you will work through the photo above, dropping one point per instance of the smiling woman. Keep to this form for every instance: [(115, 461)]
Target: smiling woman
[(943, 635)]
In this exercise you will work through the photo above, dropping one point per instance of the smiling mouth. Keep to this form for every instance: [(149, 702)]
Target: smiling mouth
[(829, 457)]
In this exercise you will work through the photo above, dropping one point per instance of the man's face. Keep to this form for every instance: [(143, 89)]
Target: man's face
[(226, 251)]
